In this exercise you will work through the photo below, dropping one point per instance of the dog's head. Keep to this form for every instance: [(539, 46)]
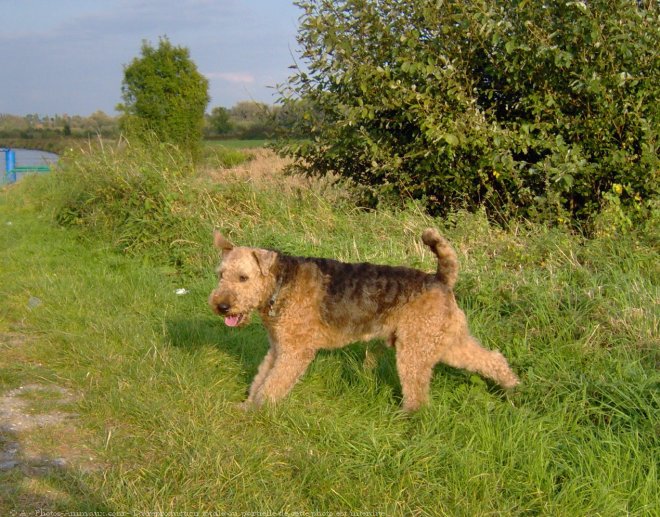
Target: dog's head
[(245, 281)]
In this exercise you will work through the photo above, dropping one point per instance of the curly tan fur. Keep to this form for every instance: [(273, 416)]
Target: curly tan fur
[(309, 304)]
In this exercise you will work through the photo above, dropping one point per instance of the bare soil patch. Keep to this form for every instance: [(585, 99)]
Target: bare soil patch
[(39, 409)]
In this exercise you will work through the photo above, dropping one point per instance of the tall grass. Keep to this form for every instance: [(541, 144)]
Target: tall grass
[(160, 376), (148, 201)]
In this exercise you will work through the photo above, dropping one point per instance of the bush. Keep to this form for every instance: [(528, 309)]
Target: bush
[(165, 95), (536, 109)]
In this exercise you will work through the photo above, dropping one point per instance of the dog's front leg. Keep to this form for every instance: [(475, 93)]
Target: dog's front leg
[(287, 369), (264, 369)]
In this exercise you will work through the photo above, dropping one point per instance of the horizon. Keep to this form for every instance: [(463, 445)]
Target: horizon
[(117, 114)]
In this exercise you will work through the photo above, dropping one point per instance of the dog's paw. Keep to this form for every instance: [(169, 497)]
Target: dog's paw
[(245, 406)]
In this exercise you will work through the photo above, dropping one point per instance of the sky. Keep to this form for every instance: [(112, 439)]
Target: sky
[(68, 56)]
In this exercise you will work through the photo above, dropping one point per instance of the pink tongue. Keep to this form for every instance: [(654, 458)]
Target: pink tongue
[(232, 321)]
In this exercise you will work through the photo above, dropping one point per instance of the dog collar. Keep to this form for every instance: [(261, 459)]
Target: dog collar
[(271, 302)]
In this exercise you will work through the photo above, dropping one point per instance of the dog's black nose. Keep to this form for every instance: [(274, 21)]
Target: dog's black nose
[(223, 308)]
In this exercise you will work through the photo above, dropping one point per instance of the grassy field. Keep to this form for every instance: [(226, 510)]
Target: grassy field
[(136, 387), (238, 144)]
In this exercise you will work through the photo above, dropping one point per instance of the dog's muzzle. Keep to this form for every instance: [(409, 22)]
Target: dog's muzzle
[(222, 308)]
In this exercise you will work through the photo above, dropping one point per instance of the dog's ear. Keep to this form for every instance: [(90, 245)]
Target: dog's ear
[(265, 259), (221, 243)]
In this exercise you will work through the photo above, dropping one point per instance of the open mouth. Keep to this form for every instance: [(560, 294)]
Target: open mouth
[(234, 320)]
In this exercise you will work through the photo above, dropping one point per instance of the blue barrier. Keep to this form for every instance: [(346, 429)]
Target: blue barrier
[(13, 172), (10, 165)]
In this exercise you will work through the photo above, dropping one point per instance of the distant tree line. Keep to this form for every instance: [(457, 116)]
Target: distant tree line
[(35, 126), (249, 120), (246, 120)]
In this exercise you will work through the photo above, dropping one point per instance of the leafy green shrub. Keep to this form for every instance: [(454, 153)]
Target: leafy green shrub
[(164, 94), (529, 108)]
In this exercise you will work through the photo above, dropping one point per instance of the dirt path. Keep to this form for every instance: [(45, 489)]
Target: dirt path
[(38, 429), (29, 408), (18, 417)]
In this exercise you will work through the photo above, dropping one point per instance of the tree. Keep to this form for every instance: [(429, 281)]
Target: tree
[(164, 94), (219, 121), (532, 108), (253, 119)]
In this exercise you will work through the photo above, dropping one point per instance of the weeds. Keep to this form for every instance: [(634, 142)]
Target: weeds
[(160, 375)]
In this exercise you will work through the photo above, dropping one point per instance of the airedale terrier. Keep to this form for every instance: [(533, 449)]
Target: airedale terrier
[(309, 304)]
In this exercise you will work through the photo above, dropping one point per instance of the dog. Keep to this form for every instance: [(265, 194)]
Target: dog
[(309, 304)]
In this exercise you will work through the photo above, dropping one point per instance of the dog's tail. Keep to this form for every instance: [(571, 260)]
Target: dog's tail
[(447, 261)]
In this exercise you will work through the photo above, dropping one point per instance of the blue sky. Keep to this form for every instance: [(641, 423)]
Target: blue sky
[(67, 56)]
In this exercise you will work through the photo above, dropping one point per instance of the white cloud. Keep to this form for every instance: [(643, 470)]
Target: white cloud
[(232, 77)]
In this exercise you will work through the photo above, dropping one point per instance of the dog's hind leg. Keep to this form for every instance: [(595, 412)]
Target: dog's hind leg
[(470, 355), (415, 375)]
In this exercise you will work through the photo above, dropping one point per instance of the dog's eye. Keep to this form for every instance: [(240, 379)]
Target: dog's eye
[(242, 278)]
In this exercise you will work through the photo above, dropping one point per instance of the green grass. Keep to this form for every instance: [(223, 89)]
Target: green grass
[(159, 377), (221, 156), (237, 144)]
